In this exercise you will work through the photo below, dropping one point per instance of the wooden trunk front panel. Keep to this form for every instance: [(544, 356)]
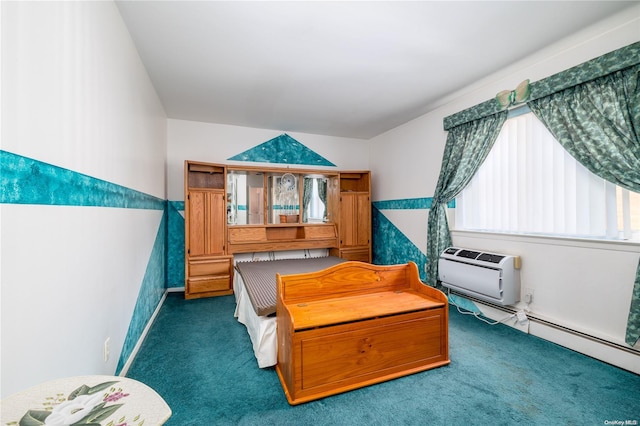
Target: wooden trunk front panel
[(336, 356), (335, 359)]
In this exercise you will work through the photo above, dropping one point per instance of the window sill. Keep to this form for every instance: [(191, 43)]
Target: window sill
[(619, 245)]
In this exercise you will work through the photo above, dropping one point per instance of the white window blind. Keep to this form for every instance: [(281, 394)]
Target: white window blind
[(530, 184)]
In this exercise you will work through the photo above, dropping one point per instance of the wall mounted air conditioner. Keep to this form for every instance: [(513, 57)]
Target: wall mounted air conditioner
[(492, 277)]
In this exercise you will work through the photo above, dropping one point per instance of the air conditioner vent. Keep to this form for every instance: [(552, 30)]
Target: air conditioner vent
[(469, 254), (491, 258)]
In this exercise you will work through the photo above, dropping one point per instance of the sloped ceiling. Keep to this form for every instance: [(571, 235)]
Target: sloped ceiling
[(344, 68)]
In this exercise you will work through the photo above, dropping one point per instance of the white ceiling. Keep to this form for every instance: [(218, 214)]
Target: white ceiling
[(344, 68)]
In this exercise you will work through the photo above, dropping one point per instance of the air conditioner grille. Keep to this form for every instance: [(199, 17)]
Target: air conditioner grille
[(491, 258), (469, 254)]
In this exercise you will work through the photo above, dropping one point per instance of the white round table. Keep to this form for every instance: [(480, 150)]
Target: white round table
[(99, 399)]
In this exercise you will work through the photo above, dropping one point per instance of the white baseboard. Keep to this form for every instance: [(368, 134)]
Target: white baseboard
[(615, 354), (601, 351), (136, 348)]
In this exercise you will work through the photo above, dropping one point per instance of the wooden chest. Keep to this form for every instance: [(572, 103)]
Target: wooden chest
[(354, 325)]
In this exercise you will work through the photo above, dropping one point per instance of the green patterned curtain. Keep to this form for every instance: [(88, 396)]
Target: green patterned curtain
[(306, 198), (467, 147), (322, 193), (633, 322), (611, 62), (598, 123)]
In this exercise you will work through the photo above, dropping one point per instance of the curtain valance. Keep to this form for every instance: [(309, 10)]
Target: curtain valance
[(606, 64)]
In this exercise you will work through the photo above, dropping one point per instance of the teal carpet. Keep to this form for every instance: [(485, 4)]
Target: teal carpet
[(199, 358)]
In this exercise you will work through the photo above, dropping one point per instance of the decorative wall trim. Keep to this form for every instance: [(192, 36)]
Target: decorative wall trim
[(27, 181), (408, 204), (606, 64), (150, 294), (391, 246), (175, 244), (282, 149)]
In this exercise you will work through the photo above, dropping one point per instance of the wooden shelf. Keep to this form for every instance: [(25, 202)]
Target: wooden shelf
[(355, 182), (205, 176), (289, 236)]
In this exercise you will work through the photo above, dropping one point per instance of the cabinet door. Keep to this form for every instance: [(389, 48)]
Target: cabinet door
[(355, 220), (363, 220), (217, 220), (206, 218), (347, 220)]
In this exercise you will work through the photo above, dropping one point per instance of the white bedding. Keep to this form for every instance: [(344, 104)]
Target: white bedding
[(262, 330)]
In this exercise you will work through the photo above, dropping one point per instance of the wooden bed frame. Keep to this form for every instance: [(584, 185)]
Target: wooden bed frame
[(356, 324)]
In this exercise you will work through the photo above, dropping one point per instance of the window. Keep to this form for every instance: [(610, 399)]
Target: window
[(530, 184)]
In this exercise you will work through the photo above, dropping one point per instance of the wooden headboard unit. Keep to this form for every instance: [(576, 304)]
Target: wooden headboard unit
[(241, 209)]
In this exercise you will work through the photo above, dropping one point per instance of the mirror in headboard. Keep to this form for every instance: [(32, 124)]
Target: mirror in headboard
[(245, 197), (280, 196), (314, 198), (284, 197)]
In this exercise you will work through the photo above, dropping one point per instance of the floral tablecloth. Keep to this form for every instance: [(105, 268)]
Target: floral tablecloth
[(87, 401)]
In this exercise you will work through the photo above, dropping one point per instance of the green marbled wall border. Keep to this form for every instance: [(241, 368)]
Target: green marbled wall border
[(24, 180)]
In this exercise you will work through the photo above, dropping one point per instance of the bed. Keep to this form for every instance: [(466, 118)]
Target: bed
[(255, 291)]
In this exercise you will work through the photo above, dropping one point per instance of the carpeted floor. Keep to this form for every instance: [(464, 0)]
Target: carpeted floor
[(199, 358)]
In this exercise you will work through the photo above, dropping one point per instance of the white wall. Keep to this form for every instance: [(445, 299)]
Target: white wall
[(580, 285), (214, 143), (76, 95)]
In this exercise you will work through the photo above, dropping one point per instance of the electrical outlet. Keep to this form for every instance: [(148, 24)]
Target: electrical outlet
[(107, 349), (522, 317), (528, 295)]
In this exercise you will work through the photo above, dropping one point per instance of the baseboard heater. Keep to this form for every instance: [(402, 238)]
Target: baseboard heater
[(548, 323), (493, 277)]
